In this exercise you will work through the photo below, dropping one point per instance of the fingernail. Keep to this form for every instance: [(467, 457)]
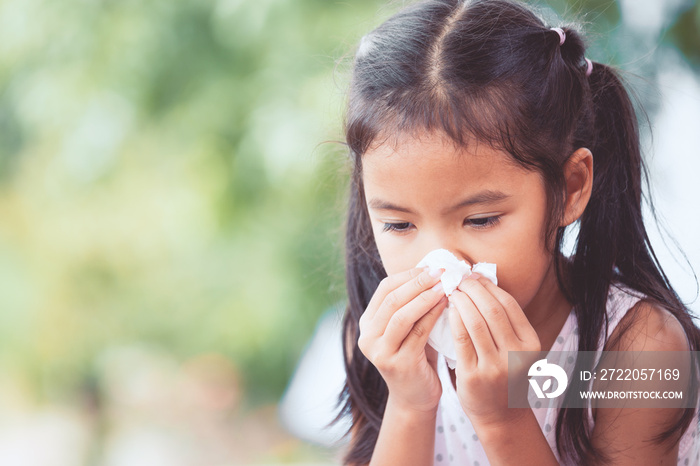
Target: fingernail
[(435, 273), (475, 276), (437, 287)]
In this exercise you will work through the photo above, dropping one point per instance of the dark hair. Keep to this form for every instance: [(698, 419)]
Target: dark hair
[(490, 71)]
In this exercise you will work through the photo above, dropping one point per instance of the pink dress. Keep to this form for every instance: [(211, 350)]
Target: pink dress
[(456, 443)]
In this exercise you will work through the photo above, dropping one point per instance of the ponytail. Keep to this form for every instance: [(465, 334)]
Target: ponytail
[(624, 257)]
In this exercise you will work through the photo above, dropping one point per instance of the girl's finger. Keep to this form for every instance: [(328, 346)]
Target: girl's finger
[(417, 337), (518, 320), (476, 326), (492, 311), (386, 286), (403, 295), (407, 320), (430, 354), (467, 358)]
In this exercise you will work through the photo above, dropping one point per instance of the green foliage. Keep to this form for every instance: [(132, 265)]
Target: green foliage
[(163, 180), (685, 33)]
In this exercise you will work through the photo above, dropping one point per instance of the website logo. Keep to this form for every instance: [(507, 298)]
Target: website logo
[(542, 369)]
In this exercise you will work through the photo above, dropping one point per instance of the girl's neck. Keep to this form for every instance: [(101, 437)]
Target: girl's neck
[(548, 310)]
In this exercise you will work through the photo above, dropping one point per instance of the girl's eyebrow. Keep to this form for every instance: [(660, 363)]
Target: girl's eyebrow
[(484, 197)]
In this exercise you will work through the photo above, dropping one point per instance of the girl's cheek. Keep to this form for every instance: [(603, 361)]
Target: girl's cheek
[(393, 263), (394, 258), (384, 253), (523, 283)]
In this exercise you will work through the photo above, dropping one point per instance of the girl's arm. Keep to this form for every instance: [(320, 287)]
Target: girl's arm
[(406, 437), (626, 436), (519, 441), (393, 336)]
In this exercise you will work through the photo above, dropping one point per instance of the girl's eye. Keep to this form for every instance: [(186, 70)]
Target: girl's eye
[(397, 227), (482, 222)]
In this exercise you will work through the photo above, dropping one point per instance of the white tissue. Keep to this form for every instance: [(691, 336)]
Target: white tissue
[(440, 337)]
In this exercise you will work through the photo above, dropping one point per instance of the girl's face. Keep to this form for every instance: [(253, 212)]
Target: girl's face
[(424, 194)]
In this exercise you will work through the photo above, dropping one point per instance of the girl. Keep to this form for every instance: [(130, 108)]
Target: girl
[(476, 128)]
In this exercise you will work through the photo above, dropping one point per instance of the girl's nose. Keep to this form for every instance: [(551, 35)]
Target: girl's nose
[(458, 252), (442, 237), (462, 257)]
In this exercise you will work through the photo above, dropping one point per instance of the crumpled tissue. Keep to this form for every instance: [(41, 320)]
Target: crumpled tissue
[(440, 337)]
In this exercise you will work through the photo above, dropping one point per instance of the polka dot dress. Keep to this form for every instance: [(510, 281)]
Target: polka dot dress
[(456, 442)]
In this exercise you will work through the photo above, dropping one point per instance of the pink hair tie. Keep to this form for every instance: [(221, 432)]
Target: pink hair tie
[(562, 35), (589, 70)]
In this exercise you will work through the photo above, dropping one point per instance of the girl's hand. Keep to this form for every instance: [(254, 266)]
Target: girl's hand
[(394, 332), (486, 323)]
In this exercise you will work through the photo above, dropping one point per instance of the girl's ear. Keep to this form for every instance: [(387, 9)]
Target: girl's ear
[(578, 176)]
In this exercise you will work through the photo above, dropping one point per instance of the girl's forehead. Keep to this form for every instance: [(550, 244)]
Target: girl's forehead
[(433, 152), (434, 170)]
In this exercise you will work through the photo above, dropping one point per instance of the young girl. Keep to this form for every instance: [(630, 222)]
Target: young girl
[(476, 128)]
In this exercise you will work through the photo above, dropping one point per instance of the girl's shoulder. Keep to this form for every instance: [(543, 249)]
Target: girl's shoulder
[(641, 323)]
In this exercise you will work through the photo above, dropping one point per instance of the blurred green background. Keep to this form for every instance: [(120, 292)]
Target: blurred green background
[(172, 185)]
